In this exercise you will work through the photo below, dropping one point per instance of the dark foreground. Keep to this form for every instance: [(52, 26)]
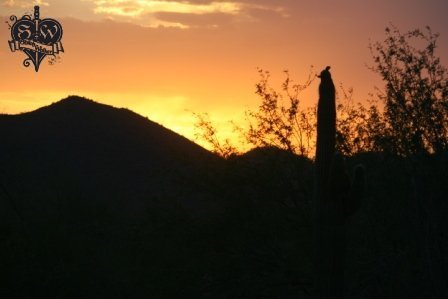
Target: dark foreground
[(91, 210)]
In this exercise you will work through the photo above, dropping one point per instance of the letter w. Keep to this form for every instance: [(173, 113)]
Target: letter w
[(48, 31)]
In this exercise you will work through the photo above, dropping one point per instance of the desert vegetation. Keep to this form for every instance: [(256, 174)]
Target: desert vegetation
[(407, 117), (403, 130)]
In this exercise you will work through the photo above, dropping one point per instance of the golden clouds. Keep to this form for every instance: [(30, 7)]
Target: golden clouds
[(182, 14), (143, 12), (139, 7), (156, 13)]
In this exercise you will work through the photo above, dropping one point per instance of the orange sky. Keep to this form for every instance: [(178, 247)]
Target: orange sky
[(163, 58)]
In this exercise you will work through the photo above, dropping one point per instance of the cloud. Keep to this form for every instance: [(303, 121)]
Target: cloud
[(156, 13), (183, 14), (24, 3), (195, 20), (135, 8)]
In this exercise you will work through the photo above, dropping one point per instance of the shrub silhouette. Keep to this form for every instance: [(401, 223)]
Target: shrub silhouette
[(416, 92)]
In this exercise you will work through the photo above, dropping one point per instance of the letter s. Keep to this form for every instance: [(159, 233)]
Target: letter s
[(24, 30)]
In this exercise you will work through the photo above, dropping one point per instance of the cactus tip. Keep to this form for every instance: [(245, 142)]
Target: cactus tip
[(325, 70)]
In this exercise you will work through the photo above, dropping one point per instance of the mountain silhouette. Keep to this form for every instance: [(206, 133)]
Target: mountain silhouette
[(80, 152), (82, 184)]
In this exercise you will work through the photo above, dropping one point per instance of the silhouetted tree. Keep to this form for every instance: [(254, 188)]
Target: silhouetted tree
[(416, 92), (285, 126), (359, 128), (206, 131), (279, 121)]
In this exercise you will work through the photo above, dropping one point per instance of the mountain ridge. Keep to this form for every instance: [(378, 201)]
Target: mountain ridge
[(101, 155)]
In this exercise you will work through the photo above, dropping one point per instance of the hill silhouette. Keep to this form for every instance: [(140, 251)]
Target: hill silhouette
[(77, 178), (82, 149)]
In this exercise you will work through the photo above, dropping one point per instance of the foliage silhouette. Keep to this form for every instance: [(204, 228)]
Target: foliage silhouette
[(416, 92), (291, 127), (274, 124), (208, 133)]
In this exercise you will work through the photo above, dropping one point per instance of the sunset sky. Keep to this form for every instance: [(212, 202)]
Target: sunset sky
[(166, 58)]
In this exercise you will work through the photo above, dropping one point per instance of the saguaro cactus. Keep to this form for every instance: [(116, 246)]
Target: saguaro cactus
[(335, 197)]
